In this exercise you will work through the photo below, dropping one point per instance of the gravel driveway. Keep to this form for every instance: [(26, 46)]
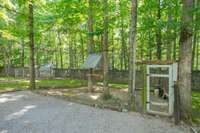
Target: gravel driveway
[(25, 112)]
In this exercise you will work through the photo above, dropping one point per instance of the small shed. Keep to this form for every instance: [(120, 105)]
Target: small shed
[(22, 72), (47, 71), (93, 61)]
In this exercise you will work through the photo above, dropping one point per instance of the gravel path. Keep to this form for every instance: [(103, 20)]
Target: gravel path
[(25, 112)]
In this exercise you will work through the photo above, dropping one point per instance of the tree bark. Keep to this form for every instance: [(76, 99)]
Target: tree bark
[(185, 64), (31, 45), (197, 55), (194, 48), (90, 28), (82, 48), (60, 50), (75, 53), (174, 46), (196, 18), (150, 46), (158, 34), (106, 92), (113, 52), (132, 53), (37, 53), (90, 41), (22, 53), (169, 39), (70, 53), (123, 45)]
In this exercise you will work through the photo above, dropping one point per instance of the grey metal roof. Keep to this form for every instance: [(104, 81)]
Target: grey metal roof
[(92, 61), (47, 67)]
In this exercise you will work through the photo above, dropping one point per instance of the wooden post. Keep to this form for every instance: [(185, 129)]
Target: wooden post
[(90, 82), (176, 104)]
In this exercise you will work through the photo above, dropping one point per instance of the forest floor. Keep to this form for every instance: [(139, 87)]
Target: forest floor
[(25, 112)]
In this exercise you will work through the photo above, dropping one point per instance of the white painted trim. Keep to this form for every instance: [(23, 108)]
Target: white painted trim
[(159, 66), (159, 75), (172, 74), (159, 104)]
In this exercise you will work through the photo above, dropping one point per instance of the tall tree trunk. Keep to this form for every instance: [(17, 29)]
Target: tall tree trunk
[(90, 28), (56, 57), (197, 55), (75, 53), (113, 52), (132, 53), (60, 50), (142, 53), (185, 64), (196, 18), (106, 92), (22, 53), (90, 41), (31, 45), (123, 43), (150, 46), (174, 46), (194, 48), (158, 34), (169, 39), (70, 53), (82, 48), (37, 53)]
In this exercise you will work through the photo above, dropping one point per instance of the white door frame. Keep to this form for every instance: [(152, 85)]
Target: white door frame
[(172, 77)]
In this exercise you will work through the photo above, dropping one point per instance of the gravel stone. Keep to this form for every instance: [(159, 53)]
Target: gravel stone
[(26, 112)]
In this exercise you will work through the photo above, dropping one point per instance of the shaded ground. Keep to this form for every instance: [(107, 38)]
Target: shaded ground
[(118, 101), (25, 112)]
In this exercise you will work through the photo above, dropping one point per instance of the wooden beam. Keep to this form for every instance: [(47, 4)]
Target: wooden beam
[(155, 62)]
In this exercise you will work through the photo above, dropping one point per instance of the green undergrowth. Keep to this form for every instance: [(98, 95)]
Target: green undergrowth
[(118, 86), (196, 107), (60, 83), (22, 84)]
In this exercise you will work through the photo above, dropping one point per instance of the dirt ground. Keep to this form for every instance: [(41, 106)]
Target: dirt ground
[(81, 95)]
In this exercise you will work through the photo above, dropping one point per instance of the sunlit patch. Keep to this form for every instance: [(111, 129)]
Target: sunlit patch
[(54, 93), (26, 81), (70, 104), (4, 131), (20, 113), (9, 98), (95, 97)]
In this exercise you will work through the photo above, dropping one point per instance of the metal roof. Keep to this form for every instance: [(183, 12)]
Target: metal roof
[(92, 61)]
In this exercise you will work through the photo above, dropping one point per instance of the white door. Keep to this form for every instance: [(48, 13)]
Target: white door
[(160, 90)]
